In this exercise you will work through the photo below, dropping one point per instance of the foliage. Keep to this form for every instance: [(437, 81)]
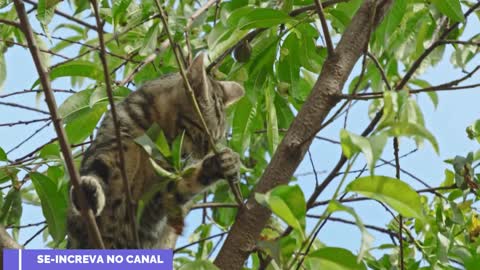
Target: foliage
[(439, 231)]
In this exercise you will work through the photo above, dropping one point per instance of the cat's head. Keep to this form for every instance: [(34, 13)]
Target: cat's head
[(213, 97)]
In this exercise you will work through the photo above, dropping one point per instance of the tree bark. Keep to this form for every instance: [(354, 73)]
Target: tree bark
[(6, 242), (252, 218)]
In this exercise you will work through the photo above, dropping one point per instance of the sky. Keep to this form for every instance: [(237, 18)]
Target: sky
[(456, 110)]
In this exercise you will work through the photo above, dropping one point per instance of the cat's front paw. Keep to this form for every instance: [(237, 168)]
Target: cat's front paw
[(225, 164), (93, 193)]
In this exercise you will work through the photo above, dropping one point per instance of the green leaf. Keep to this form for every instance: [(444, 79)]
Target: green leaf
[(222, 38), (149, 146), (150, 41), (223, 216), (177, 151), (367, 238), (272, 123), (54, 204), (424, 84), (99, 94), (155, 133), (263, 18), (243, 119), (8, 173), (395, 193), (352, 144), (3, 155), (75, 103), (162, 172), (199, 265), (288, 203), (395, 15), (238, 14), (74, 27), (45, 11), (333, 258), (82, 125), (78, 68), (12, 208), (120, 10), (3, 70), (451, 8), (411, 129)]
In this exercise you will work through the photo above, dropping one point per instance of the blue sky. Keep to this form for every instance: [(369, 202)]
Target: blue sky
[(455, 112)]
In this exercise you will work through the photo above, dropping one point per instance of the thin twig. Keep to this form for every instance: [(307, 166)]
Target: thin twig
[(213, 205), (26, 225), (380, 69), (24, 122), (10, 42), (35, 235), (145, 62), (23, 107), (323, 21), (86, 212), (199, 12), (439, 88), (304, 9), (29, 91), (355, 89), (250, 36), (116, 124), (163, 17), (313, 166), (400, 220), (11, 23), (93, 48), (20, 159), (372, 227), (66, 16), (114, 37), (430, 49), (199, 241), (29, 137)]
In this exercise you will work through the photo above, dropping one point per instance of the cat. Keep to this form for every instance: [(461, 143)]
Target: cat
[(163, 101)]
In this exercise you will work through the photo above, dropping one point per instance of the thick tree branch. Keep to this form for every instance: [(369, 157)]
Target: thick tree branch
[(252, 218), (87, 213), (6, 241)]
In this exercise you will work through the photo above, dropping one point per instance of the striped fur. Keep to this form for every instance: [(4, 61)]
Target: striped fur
[(165, 102)]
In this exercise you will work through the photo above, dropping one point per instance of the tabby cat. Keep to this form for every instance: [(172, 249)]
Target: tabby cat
[(165, 102)]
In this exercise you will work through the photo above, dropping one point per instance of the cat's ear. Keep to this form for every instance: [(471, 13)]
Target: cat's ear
[(197, 77), (232, 92)]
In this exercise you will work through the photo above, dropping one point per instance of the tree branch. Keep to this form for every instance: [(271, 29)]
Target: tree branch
[(86, 212), (11, 23), (252, 218), (323, 22), (116, 124), (42, 50), (163, 17), (250, 36), (6, 241), (66, 16), (432, 47)]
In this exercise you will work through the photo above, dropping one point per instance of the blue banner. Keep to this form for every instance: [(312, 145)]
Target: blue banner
[(87, 259)]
